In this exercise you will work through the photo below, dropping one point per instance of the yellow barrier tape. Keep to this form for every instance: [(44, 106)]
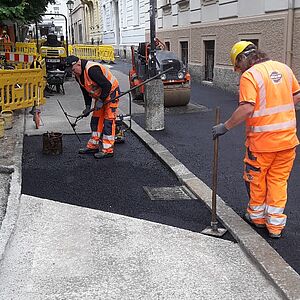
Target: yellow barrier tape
[(21, 89)]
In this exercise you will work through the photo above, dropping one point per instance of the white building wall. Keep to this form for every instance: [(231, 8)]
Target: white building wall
[(59, 7), (78, 23), (131, 17), (251, 8), (174, 13)]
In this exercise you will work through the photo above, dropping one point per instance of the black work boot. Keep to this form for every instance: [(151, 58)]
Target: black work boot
[(103, 155), (274, 235), (249, 220), (88, 151)]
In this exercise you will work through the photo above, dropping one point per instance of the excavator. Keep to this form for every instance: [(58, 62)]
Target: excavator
[(177, 81)]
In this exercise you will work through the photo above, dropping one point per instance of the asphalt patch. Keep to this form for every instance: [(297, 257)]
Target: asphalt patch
[(113, 185), (188, 137)]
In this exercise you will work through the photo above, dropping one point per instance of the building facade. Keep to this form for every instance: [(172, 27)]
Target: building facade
[(202, 33), (93, 21), (124, 24), (56, 22), (77, 23)]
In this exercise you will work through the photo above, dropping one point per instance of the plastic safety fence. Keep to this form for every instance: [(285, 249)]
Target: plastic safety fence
[(70, 49), (6, 47), (21, 61), (94, 52), (21, 89), (26, 48), (43, 66), (106, 53)]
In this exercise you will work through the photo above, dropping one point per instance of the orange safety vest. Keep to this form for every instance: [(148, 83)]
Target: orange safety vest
[(272, 126), (6, 38), (91, 87)]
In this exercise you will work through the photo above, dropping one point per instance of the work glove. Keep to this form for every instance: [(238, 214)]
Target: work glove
[(87, 111), (218, 130), (98, 104)]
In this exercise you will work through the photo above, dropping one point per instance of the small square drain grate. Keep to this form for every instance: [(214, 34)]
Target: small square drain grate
[(169, 193)]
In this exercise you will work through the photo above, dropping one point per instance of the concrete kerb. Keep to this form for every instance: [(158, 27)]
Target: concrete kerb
[(282, 275), (13, 201)]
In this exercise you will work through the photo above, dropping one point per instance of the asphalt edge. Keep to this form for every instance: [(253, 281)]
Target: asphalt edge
[(14, 194), (273, 266)]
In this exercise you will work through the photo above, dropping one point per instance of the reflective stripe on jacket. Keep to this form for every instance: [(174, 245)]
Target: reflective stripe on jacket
[(91, 87), (272, 126)]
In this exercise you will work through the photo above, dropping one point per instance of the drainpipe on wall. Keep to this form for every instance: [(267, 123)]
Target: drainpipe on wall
[(290, 32), (85, 25)]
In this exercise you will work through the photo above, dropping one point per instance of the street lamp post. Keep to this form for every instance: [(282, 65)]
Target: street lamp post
[(70, 5), (152, 58)]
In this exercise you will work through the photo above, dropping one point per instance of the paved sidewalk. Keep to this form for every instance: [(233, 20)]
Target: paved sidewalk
[(60, 251)]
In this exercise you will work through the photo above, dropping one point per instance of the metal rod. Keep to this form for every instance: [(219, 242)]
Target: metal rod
[(72, 124), (152, 60), (213, 230), (215, 177), (130, 110), (121, 94), (135, 87)]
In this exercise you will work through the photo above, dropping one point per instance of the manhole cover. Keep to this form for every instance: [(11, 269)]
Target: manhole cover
[(169, 193)]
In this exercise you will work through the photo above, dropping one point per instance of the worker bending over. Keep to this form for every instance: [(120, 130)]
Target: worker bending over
[(99, 84), (268, 94)]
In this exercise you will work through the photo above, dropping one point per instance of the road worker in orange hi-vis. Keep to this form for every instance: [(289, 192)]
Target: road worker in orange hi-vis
[(6, 40), (5, 37), (98, 85), (267, 98)]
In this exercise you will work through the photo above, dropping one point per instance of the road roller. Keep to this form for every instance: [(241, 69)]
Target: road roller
[(177, 81)]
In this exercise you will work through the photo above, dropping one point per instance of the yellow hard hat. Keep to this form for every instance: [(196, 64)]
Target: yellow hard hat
[(237, 49)]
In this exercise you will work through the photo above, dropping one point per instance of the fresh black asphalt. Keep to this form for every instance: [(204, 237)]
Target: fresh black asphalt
[(188, 137), (114, 185)]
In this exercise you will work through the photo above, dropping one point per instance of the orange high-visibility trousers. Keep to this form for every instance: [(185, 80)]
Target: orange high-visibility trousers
[(266, 175), (103, 124)]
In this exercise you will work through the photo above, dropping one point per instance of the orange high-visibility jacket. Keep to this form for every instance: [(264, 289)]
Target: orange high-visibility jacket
[(270, 86), (91, 87)]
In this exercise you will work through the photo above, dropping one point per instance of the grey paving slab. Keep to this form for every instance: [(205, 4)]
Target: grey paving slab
[(61, 251)]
